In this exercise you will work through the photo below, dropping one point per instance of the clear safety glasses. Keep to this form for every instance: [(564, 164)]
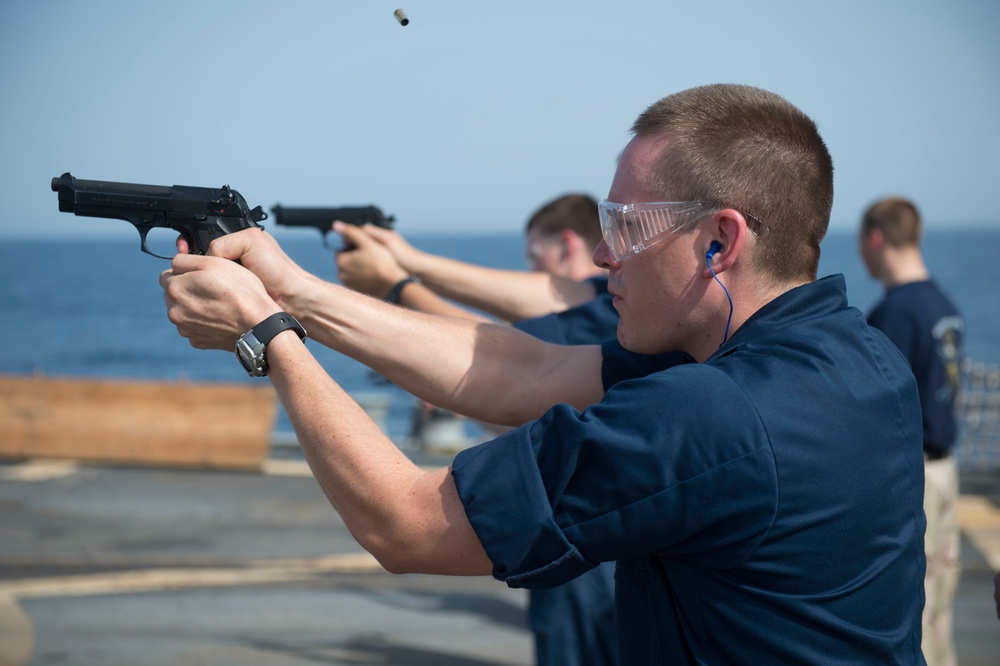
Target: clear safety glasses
[(631, 228)]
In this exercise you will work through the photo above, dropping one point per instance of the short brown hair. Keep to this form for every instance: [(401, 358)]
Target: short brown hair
[(576, 212), (898, 219), (752, 150)]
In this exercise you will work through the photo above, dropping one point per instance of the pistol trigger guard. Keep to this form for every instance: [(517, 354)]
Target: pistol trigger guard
[(143, 232), (142, 239)]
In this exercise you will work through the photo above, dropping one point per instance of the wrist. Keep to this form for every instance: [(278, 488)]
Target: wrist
[(414, 262), (396, 292), (251, 348), (388, 280), (293, 296)]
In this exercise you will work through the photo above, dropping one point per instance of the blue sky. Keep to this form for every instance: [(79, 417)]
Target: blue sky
[(474, 114)]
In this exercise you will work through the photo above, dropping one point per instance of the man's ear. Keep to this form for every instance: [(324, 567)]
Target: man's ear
[(571, 244), (725, 242), (873, 238)]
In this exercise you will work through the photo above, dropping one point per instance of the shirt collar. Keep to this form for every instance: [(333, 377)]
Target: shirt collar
[(816, 299)]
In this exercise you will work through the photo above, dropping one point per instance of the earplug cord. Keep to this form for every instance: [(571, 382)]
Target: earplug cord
[(708, 257)]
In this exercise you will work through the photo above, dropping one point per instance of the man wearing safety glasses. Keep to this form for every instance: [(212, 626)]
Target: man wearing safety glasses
[(748, 451)]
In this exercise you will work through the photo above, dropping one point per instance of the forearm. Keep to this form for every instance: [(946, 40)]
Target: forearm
[(486, 371), (411, 520), (418, 297), (508, 295)]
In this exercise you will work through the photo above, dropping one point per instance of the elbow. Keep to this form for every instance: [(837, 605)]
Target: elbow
[(395, 565), (388, 555), (421, 529), (395, 554), (409, 552)]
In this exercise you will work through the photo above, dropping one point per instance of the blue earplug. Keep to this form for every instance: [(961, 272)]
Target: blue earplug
[(712, 249)]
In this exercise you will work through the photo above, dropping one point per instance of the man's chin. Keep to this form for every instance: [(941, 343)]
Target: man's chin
[(630, 343)]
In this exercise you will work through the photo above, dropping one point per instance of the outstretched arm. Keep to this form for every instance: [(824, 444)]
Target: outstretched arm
[(486, 371), (508, 295), (490, 372), (369, 267)]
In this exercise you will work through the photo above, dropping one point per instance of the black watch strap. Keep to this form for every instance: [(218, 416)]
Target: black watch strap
[(276, 323), (251, 348), (397, 289)]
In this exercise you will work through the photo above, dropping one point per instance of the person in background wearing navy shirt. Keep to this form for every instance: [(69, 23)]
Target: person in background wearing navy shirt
[(748, 451), (574, 623), (923, 322)]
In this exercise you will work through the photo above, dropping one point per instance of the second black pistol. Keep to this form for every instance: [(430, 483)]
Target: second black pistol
[(323, 218)]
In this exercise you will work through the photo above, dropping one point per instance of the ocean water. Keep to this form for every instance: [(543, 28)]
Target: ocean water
[(93, 308)]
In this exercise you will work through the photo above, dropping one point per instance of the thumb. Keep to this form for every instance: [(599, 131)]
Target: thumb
[(381, 234), (234, 246), (353, 236)]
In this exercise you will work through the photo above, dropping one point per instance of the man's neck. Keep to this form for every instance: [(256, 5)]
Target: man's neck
[(904, 266), (747, 300)]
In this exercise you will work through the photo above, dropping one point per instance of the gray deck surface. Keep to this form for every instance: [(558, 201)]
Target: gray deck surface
[(154, 567)]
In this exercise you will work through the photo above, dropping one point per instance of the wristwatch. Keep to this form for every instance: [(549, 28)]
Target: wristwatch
[(252, 346), (397, 289)]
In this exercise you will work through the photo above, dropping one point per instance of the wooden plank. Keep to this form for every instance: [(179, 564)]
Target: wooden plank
[(137, 422)]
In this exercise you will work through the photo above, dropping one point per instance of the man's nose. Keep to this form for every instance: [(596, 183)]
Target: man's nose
[(602, 256)]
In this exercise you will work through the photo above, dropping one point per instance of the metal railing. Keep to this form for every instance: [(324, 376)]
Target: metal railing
[(979, 411)]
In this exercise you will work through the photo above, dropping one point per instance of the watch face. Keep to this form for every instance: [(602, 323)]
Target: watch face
[(247, 365), (250, 353)]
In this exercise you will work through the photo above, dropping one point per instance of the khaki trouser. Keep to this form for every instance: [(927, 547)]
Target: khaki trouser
[(941, 543)]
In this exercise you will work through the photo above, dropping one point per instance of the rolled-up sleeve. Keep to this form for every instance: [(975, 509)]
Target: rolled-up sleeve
[(506, 501)]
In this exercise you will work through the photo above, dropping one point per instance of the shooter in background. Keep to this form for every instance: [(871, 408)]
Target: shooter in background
[(560, 238), (922, 321), (574, 623)]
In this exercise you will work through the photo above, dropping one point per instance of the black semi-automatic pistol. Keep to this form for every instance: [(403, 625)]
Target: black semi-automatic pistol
[(199, 214)]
